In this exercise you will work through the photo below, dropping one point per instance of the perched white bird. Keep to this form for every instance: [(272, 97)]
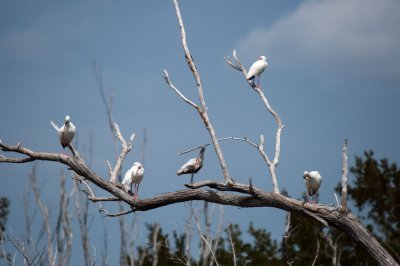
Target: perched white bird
[(313, 181), (66, 132), (256, 69), (193, 165), (133, 176)]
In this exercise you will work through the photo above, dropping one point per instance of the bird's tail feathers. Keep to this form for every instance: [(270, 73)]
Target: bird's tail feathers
[(54, 126)]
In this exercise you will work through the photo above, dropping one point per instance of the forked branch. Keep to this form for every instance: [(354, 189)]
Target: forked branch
[(126, 147), (274, 163), (203, 109)]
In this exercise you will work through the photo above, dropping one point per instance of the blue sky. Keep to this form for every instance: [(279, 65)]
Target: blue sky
[(334, 73)]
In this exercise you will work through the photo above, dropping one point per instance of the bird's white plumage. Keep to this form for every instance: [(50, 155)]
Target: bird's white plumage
[(189, 166), (133, 176), (313, 181), (257, 68), (66, 133)]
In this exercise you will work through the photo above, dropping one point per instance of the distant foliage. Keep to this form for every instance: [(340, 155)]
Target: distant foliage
[(376, 190), (4, 210), (260, 250)]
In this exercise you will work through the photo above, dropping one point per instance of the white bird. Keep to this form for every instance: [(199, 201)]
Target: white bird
[(193, 165), (133, 176), (66, 132), (313, 181), (256, 69)]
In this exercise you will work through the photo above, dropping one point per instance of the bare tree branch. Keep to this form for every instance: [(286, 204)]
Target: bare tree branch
[(335, 255), (271, 165), (219, 228), (126, 147), (254, 197), (45, 215), (318, 244), (156, 244), (203, 110), (245, 139), (81, 212), (101, 89), (232, 244), (104, 211), (286, 235), (180, 94), (344, 176), (205, 241)]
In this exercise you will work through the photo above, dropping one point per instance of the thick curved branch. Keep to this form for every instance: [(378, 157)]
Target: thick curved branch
[(253, 197)]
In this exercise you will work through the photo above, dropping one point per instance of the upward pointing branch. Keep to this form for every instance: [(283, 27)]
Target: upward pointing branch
[(203, 110), (274, 163), (344, 176)]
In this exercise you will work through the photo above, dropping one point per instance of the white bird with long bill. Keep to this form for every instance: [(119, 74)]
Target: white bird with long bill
[(66, 133), (133, 177), (313, 181), (193, 165), (256, 69)]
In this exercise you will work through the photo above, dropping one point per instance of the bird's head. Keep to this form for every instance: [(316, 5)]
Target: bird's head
[(138, 165), (201, 154), (305, 174), (67, 119), (263, 58)]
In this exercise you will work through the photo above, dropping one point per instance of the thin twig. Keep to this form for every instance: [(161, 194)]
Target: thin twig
[(286, 236), (104, 211), (155, 243), (245, 139), (344, 176), (232, 244), (165, 75), (196, 218), (318, 244), (45, 214)]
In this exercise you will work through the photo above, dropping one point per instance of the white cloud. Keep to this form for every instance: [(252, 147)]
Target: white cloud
[(350, 37)]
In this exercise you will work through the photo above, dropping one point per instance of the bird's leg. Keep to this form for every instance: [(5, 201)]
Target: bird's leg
[(254, 82), (64, 152), (191, 178), (137, 191), (134, 192), (72, 149), (131, 191)]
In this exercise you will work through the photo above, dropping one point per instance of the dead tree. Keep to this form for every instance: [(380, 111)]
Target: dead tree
[(211, 190)]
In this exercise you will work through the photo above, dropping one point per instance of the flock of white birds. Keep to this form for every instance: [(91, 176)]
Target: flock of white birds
[(134, 176)]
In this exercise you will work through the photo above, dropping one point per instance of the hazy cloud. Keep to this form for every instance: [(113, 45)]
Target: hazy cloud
[(333, 35)]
